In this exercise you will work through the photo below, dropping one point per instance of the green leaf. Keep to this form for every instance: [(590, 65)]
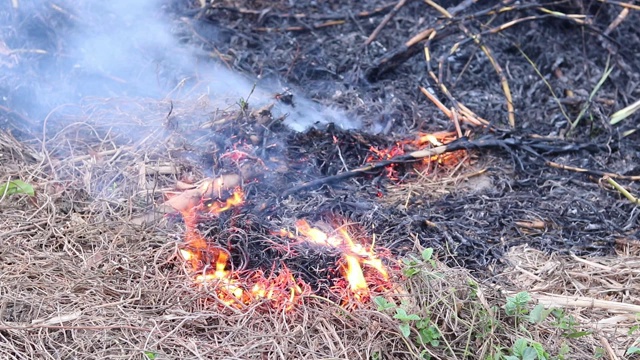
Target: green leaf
[(632, 350), (402, 315), (519, 347), (522, 297), (539, 314), (429, 335), (540, 353), (530, 354), (577, 334), (383, 304), (150, 355), (410, 262), (427, 254), (405, 329), (16, 187), (410, 272), (422, 323)]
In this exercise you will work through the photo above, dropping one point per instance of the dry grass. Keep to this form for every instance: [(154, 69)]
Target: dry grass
[(601, 293), (79, 280)]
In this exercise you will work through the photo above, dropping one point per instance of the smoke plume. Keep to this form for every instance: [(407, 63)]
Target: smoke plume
[(61, 52)]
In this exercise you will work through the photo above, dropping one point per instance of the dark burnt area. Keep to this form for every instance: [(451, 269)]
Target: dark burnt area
[(331, 65), (469, 228)]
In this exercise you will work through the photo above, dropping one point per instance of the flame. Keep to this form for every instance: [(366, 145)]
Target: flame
[(439, 139), (237, 199), (212, 267), (355, 255), (428, 138)]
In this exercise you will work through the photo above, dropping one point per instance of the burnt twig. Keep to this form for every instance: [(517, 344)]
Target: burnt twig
[(533, 146), (384, 21)]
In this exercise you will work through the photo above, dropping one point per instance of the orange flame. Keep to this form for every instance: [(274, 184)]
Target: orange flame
[(235, 200), (211, 264), (355, 255)]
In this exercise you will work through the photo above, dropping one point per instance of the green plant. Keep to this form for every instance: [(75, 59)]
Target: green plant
[(525, 349), (150, 355), (568, 324), (383, 304), (16, 187), (585, 107), (517, 306), (538, 314), (632, 350), (428, 334), (406, 319), (413, 266), (244, 103)]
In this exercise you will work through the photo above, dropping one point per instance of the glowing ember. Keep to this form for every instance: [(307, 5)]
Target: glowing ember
[(386, 154), (422, 141), (439, 139)]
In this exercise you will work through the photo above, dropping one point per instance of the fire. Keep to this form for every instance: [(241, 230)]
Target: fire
[(211, 264), (354, 255), (386, 154), (420, 142), (235, 200), (438, 139)]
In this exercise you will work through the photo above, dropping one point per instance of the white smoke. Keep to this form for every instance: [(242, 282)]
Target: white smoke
[(119, 48)]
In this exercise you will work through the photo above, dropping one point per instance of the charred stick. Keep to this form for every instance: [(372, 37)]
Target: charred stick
[(384, 21), (509, 144), (460, 144)]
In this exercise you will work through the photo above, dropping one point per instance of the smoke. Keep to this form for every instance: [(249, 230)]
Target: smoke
[(61, 52)]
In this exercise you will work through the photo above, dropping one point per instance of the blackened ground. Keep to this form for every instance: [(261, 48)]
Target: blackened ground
[(552, 65), (320, 53)]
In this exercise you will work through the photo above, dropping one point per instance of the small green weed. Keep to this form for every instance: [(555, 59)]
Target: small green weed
[(413, 266), (524, 349), (517, 306), (16, 187), (634, 350)]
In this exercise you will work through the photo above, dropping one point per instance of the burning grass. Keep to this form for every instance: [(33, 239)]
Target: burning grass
[(81, 276)]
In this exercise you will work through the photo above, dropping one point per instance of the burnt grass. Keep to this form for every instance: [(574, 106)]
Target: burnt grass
[(317, 49), (295, 43)]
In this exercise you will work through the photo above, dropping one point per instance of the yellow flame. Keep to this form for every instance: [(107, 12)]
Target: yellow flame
[(355, 255)]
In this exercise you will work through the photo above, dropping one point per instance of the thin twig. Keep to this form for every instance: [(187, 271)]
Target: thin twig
[(384, 21)]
